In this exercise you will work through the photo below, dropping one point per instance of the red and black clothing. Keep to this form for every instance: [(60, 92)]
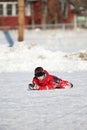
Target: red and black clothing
[(49, 82)]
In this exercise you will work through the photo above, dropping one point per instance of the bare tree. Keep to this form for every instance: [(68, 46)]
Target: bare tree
[(54, 14), (44, 11), (21, 20), (78, 4)]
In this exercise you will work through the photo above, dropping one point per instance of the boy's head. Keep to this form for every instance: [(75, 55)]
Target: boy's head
[(39, 71)]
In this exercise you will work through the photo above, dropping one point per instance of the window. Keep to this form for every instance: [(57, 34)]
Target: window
[(16, 6), (27, 10), (1, 9), (64, 10), (9, 9)]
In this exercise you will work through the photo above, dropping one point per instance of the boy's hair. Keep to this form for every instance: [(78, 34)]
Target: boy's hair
[(39, 71)]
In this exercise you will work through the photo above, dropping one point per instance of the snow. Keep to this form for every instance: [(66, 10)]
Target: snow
[(62, 53), (63, 109), (47, 48)]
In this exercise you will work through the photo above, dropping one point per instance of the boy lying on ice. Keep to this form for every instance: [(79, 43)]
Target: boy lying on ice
[(44, 81)]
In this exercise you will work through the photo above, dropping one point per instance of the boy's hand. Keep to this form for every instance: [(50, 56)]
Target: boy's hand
[(31, 86)]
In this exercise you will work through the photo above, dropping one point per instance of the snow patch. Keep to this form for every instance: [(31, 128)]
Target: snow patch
[(46, 48)]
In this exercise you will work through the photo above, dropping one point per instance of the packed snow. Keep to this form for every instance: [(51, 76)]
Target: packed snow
[(61, 52)]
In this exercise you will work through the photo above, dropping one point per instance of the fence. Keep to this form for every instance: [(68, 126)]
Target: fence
[(48, 26)]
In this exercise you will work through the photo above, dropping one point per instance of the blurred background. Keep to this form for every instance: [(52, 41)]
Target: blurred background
[(43, 13), (58, 26)]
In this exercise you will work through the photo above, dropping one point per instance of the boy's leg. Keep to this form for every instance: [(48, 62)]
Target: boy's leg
[(56, 79), (64, 84)]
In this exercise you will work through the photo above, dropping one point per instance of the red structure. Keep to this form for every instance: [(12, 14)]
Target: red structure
[(33, 13), (70, 16), (37, 11)]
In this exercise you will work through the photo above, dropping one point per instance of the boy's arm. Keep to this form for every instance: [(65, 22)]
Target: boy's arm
[(35, 83)]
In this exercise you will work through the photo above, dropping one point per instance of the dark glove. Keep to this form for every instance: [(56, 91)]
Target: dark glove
[(31, 86)]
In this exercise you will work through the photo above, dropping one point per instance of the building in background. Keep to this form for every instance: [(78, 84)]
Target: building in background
[(36, 12)]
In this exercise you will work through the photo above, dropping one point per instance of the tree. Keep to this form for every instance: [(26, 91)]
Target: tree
[(54, 13), (21, 8), (78, 4)]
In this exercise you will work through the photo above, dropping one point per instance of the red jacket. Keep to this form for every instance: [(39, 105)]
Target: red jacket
[(47, 83)]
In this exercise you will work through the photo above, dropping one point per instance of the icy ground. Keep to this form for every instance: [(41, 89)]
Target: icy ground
[(21, 109), (62, 53)]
